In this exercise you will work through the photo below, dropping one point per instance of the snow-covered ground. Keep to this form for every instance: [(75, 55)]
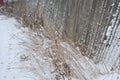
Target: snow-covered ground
[(113, 76), (10, 49), (26, 55)]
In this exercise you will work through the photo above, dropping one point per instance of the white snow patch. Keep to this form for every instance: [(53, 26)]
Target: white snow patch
[(10, 49), (112, 76)]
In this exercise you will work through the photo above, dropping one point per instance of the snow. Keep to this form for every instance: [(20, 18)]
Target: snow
[(26, 55), (9, 50), (113, 76), (109, 31)]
